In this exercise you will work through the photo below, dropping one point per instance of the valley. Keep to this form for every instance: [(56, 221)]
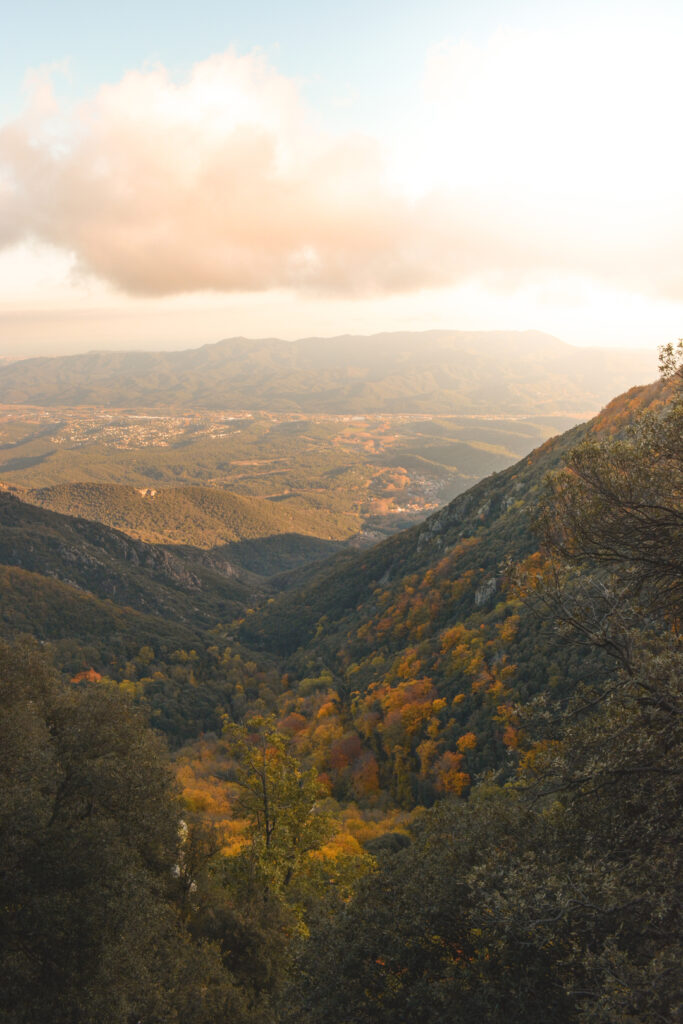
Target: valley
[(347, 630), (332, 477), (341, 513)]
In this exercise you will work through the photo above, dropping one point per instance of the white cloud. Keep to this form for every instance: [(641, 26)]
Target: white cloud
[(221, 182), (585, 113), (529, 156)]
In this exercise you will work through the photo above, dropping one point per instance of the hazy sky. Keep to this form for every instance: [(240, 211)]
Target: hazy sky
[(171, 174)]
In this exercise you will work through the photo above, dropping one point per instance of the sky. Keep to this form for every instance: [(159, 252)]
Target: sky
[(173, 173)]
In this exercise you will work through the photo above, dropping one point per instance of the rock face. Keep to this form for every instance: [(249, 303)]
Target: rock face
[(108, 564), (485, 591)]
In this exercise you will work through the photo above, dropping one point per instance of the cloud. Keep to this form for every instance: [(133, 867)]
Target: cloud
[(226, 182), (222, 182), (566, 143)]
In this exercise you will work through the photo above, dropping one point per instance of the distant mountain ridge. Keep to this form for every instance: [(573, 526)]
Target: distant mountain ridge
[(443, 372)]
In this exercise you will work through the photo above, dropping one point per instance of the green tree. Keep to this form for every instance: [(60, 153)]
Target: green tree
[(434, 935), (89, 838), (617, 508), (253, 905), (613, 523), (558, 897), (279, 797)]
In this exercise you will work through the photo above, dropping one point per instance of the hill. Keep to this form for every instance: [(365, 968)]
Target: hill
[(420, 648), (423, 628), (492, 518), (203, 517), (109, 565), (41, 606), (433, 371), (324, 475)]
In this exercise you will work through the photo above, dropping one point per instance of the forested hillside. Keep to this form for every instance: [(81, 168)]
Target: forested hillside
[(111, 565), (556, 897), (490, 522), (438, 781), (201, 517), (425, 639), (434, 372)]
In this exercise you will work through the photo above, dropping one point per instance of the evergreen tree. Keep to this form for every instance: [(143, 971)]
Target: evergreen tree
[(89, 833)]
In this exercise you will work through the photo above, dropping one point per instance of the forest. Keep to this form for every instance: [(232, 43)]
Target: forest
[(437, 779)]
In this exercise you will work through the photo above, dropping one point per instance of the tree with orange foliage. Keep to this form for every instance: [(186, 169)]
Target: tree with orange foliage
[(449, 777)]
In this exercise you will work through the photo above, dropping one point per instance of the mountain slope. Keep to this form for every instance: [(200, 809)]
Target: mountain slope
[(51, 611), (204, 517), (433, 371), (406, 662), (493, 517), (112, 566)]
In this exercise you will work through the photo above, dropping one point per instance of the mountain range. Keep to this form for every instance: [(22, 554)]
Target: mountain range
[(439, 372)]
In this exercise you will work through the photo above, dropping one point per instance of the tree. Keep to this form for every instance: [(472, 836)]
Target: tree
[(557, 897), (89, 832), (279, 798), (433, 936), (251, 905), (613, 523), (618, 506)]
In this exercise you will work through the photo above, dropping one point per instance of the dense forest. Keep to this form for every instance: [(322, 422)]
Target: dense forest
[(435, 780)]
